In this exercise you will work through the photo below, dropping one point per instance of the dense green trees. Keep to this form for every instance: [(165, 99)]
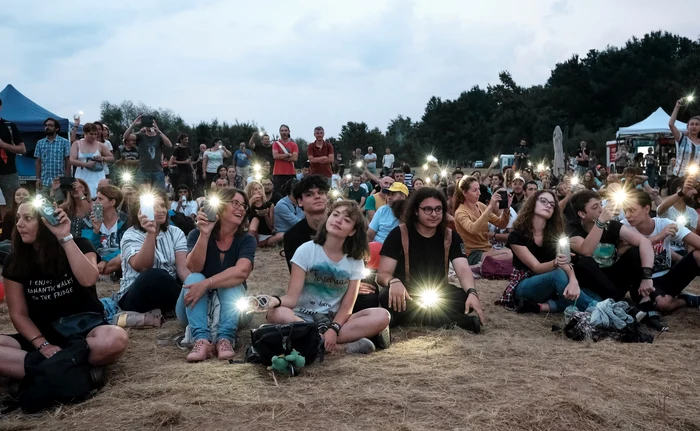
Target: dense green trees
[(589, 97)]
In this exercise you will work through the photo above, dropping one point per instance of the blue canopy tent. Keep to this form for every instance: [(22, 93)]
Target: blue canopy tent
[(29, 118)]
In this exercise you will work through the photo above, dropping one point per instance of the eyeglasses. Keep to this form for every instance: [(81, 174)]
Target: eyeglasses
[(238, 204), (546, 202), (431, 210)]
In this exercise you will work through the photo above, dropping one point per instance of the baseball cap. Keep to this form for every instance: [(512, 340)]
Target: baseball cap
[(399, 187)]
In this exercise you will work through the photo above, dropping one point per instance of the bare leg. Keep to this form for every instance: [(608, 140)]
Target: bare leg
[(107, 343), (667, 303), (282, 315), (11, 358), (364, 324)]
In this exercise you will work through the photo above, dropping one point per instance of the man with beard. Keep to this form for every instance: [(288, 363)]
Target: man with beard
[(311, 194), (150, 144), (270, 194), (52, 155), (285, 152), (263, 151)]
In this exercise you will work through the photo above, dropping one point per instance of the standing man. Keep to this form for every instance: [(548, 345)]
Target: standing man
[(388, 161), (521, 154), (582, 157), (263, 152), (52, 155), (11, 144), (320, 155), (285, 152), (150, 143), (371, 160), (181, 163), (242, 157)]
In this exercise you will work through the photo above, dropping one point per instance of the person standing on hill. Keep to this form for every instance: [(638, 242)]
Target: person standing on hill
[(582, 159), (320, 155), (286, 153), (52, 155), (11, 143), (522, 154)]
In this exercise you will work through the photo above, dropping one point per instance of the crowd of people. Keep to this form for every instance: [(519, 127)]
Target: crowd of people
[(370, 244)]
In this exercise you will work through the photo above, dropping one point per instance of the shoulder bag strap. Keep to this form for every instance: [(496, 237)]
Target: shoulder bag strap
[(448, 244), (404, 243)]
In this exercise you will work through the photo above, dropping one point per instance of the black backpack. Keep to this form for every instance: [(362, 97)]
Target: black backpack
[(61, 379), (271, 340)]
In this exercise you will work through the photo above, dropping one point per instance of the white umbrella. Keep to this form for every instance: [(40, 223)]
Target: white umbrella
[(559, 165)]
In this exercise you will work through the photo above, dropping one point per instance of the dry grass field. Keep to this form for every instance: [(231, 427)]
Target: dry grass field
[(517, 374)]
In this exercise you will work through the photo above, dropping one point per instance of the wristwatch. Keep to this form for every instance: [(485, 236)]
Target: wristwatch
[(66, 238)]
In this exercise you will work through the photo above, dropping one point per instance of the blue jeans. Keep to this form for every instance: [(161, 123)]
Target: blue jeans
[(543, 288), (196, 316), (155, 179)]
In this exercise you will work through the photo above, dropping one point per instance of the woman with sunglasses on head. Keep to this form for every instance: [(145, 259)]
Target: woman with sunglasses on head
[(49, 275), (472, 220), (543, 280), (221, 259)]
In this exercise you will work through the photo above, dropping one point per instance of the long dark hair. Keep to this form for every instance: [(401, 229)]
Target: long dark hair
[(410, 212), (136, 207), (554, 227), (225, 196), (45, 253), (70, 206), (354, 246)]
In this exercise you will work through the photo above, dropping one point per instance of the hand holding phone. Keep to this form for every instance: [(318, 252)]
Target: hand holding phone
[(503, 203)]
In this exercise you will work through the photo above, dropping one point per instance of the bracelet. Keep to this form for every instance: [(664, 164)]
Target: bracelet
[(647, 273), (392, 280), (600, 224), (209, 279), (42, 345), (278, 299), (336, 327), (472, 291), (38, 336)]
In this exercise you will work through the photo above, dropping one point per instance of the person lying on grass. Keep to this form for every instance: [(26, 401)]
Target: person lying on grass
[(425, 275), (50, 275), (543, 280), (671, 273), (325, 281), (221, 259)]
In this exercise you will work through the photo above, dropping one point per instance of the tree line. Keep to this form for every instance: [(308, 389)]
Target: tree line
[(588, 97)]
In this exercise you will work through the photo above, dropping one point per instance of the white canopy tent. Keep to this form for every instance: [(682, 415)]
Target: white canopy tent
[(652, 126)]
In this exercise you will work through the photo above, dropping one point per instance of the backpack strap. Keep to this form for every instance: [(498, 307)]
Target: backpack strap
[(404, 243), (448, 244)]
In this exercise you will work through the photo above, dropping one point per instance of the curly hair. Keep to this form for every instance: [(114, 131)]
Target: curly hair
[(356, 245), (554, 228)]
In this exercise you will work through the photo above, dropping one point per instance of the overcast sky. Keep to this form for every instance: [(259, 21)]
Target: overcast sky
[(303, 62)]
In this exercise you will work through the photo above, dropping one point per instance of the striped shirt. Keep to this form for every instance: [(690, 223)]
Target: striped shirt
[(686, 153), (167, 244)]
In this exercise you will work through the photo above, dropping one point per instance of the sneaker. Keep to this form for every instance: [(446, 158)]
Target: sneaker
[(224, 350), (383, 339), (653, 320), (527, 306), (200, 352), (690, 299), (470, 323), (362, 346)]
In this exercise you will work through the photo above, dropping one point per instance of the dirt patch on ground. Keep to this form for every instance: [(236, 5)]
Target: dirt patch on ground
[(516, 375)]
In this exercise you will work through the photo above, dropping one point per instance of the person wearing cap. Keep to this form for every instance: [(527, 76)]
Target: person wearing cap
[(388, 217), (518, 193)]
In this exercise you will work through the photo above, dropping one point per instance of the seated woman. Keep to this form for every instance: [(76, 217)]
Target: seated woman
[(325, 281), (78, 207), (154, 260), (388, 216), (185, 204), (590, 182), (8, 223), (472, 220), (261, 216), (50, 275), (543, 280), (106, 235), (221, 259), (234, 180)]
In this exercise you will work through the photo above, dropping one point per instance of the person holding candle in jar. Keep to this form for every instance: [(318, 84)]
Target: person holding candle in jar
[(543, 279)]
